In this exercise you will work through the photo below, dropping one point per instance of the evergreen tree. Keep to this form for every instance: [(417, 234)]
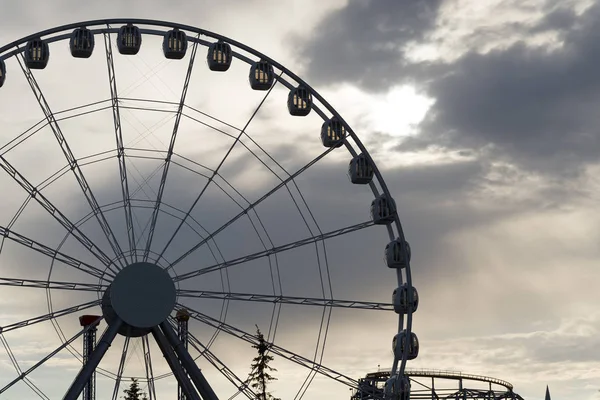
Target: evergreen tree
[(261, 370), (134, 392)]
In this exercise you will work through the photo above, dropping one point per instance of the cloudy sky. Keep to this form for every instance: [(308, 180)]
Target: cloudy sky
[(480, 114)]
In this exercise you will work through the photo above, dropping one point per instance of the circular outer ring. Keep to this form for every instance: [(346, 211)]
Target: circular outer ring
[(17, 47)]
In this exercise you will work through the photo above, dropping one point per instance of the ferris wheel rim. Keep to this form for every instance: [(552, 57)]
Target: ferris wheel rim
[(164, 24)]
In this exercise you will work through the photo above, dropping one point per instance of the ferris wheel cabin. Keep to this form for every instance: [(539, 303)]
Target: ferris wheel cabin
[(299, 101), (397, 387), (219, 56), (129, 39), (332, 133), (360, 170), (401, 302), (394, 257), (399, 344), (175, 44), (383, 210), (261, 75), (2, 72), (37, 54), (81, 43)]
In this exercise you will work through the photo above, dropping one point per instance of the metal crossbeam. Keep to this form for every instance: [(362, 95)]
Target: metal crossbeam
[(215, 172), (175, 365), (188, 363), (49, 316), (305, 301), (112, 80), (274, 250), (52, 253), (88, 369), (250, 207), (55, 212), (81, 180), (148, 367), (163, 179), (121, 368), (86, 287), (240, 385), (273, 348), (24, 374)]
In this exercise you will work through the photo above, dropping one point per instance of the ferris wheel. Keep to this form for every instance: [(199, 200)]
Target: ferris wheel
[(128, 196)]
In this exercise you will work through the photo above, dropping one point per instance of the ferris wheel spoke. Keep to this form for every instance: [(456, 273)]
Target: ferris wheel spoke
[(23, 374), (49, 316), (250, 207), (52, 253), (163, 179), (73, 164), (274, 250), (148, 367), (112, 79), (205, 352), (55, 212), (121, 368), (303, 301), (280, 351), (216, 170), (74, 286)]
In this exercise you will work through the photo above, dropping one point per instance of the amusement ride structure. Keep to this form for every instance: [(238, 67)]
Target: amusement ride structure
[(430, 384), (136, 278)]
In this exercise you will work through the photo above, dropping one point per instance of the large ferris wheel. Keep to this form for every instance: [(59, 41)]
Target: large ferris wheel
[(133, 251)]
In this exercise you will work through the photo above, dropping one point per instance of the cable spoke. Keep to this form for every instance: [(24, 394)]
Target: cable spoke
[(216, 170), (81, 180), (87, 287), (23, 375), (274, 250), (289, 355), (120, 147), (304, 301), (52, 253), (163, 179), (148, 366), (121, 368), (55, 212), (250, 207), (49, 316), (218, 364)]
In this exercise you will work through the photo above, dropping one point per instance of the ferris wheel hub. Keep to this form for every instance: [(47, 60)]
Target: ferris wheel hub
[(142, 295)]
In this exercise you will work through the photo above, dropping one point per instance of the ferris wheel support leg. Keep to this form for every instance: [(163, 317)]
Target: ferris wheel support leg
[(88, 369), (188, 362), (175, 365)]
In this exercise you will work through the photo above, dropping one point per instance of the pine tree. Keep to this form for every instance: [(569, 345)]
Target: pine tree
[(261, 370), (134, 392)]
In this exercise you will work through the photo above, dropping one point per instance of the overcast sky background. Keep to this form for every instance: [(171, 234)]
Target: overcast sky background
[(482, 116)]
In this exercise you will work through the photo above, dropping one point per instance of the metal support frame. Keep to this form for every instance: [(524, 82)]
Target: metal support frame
[(88, 369), (149, 370), (188, 362), (175, 365), (163, 179), (120, 146), (183, 318), (89, 343), (74, 166)]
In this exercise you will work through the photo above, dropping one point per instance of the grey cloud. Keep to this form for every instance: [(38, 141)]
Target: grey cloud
[(534, 106), (364, 42)]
